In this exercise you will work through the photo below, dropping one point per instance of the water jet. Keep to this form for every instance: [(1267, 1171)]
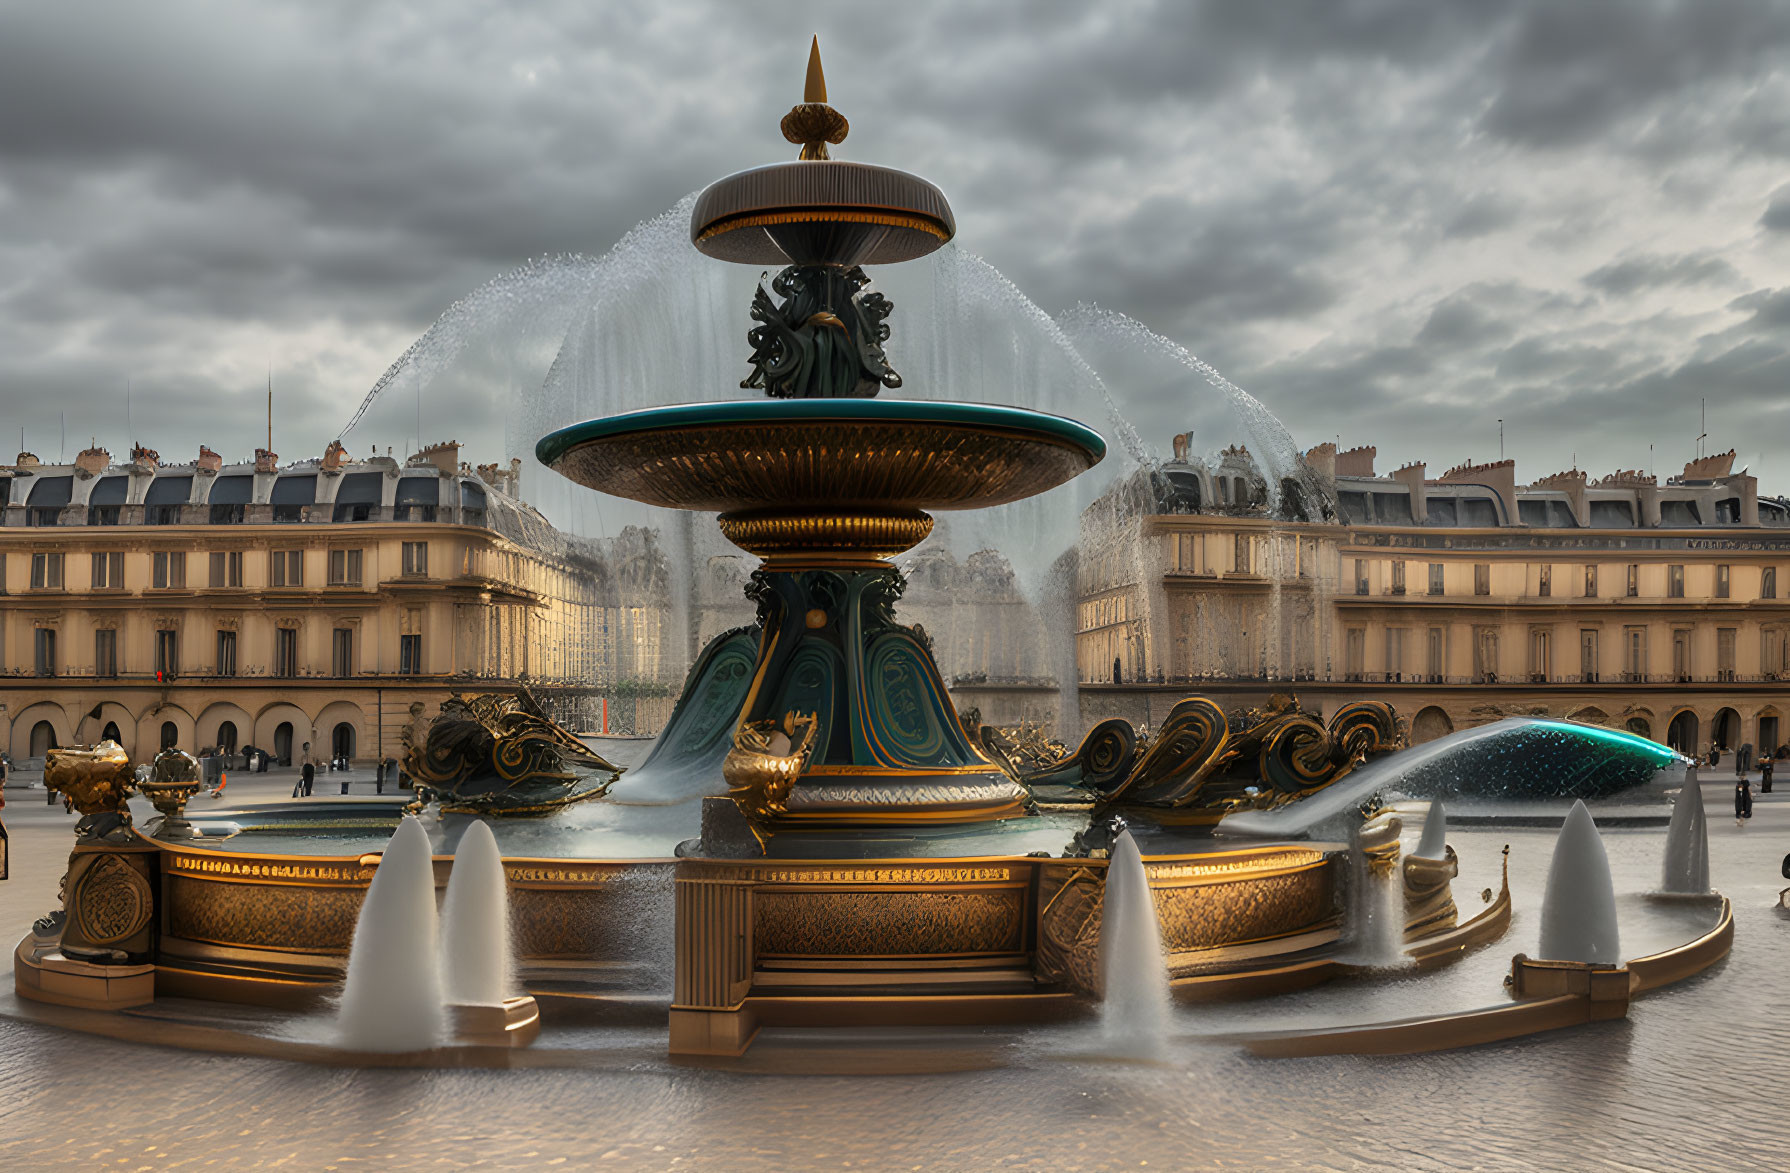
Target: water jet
[(1578, 912), (392, 998)]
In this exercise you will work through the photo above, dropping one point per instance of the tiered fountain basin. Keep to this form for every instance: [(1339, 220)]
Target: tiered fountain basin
[(834, 479)]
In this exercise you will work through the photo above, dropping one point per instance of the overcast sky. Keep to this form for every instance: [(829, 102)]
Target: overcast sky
[(1393, 222)]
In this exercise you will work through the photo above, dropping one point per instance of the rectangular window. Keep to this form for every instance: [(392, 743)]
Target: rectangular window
[(46, 651), (1435, 578), (1485, 654), (226, 665), (1771, 653), (1482, 579), (344, 568), (1355, 653), (286, 568), (167, 654), (1633, 587), (1398, 577), (1591, 581), (105, 652), (1724, 653), (1395, 652), (1544, 580), (226, 568), (46, 572), (341, 655), (1674, 582), (1768, 583), (1681, 655), (285, 651), (416, 556), (1245, 563), (1434, 656), (108, 572), (410, 654), (1588, 655), (1634, 654), (169, 570), (1541, 659), (1723, 581), (1361, 576)]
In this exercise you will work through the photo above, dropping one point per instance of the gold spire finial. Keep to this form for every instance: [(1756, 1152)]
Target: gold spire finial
[(815, 90), (814, 124)]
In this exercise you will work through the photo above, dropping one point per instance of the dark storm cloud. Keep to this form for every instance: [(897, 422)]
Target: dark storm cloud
[(1570, 72), (1649, 270), (1396, 217), (1480, 215), (1777, 213)]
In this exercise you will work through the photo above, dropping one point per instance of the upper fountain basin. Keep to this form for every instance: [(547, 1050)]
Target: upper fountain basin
[(820, 212), (782, 455)]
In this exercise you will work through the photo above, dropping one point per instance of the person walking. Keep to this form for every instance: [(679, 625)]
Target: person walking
[(307, 770), (1765, 768), (1743, 802)]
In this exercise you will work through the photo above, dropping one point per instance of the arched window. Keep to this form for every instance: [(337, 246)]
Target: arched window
[(341, 742), (1681, 734), (1727, 730), (1430, 724), (110, 733), (170, 735), (282, 743), (227, 737), (43, 739)]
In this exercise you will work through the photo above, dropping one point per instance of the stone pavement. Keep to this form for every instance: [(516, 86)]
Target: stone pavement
[(241, 788)]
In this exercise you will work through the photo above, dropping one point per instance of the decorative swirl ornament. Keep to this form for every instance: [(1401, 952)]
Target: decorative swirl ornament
[(498, 755)]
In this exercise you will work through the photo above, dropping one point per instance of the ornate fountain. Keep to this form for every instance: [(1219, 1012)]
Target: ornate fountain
[(866, 855), (826, 482)]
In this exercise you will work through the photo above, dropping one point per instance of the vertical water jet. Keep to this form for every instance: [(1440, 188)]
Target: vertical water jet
[(476, 958), (1134, 1013), (1578, 913), (1687, 841), (392, 999), (1434, 843)]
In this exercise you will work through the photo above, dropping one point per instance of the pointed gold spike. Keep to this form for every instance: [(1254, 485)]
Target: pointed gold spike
[(816, 88)]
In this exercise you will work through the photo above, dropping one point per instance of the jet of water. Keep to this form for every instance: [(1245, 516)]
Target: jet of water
[(1134, 1013), (476, 958), (1578, 911), (1687, 840), (392, 999)]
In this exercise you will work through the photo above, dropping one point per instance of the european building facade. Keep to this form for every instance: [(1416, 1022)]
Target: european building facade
[(329, 602), (1662, 609)]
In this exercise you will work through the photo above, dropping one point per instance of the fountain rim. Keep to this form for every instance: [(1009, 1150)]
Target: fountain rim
[(556, 445)]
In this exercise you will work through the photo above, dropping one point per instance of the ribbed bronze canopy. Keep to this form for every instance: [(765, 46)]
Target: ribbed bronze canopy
[(820, 210)]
